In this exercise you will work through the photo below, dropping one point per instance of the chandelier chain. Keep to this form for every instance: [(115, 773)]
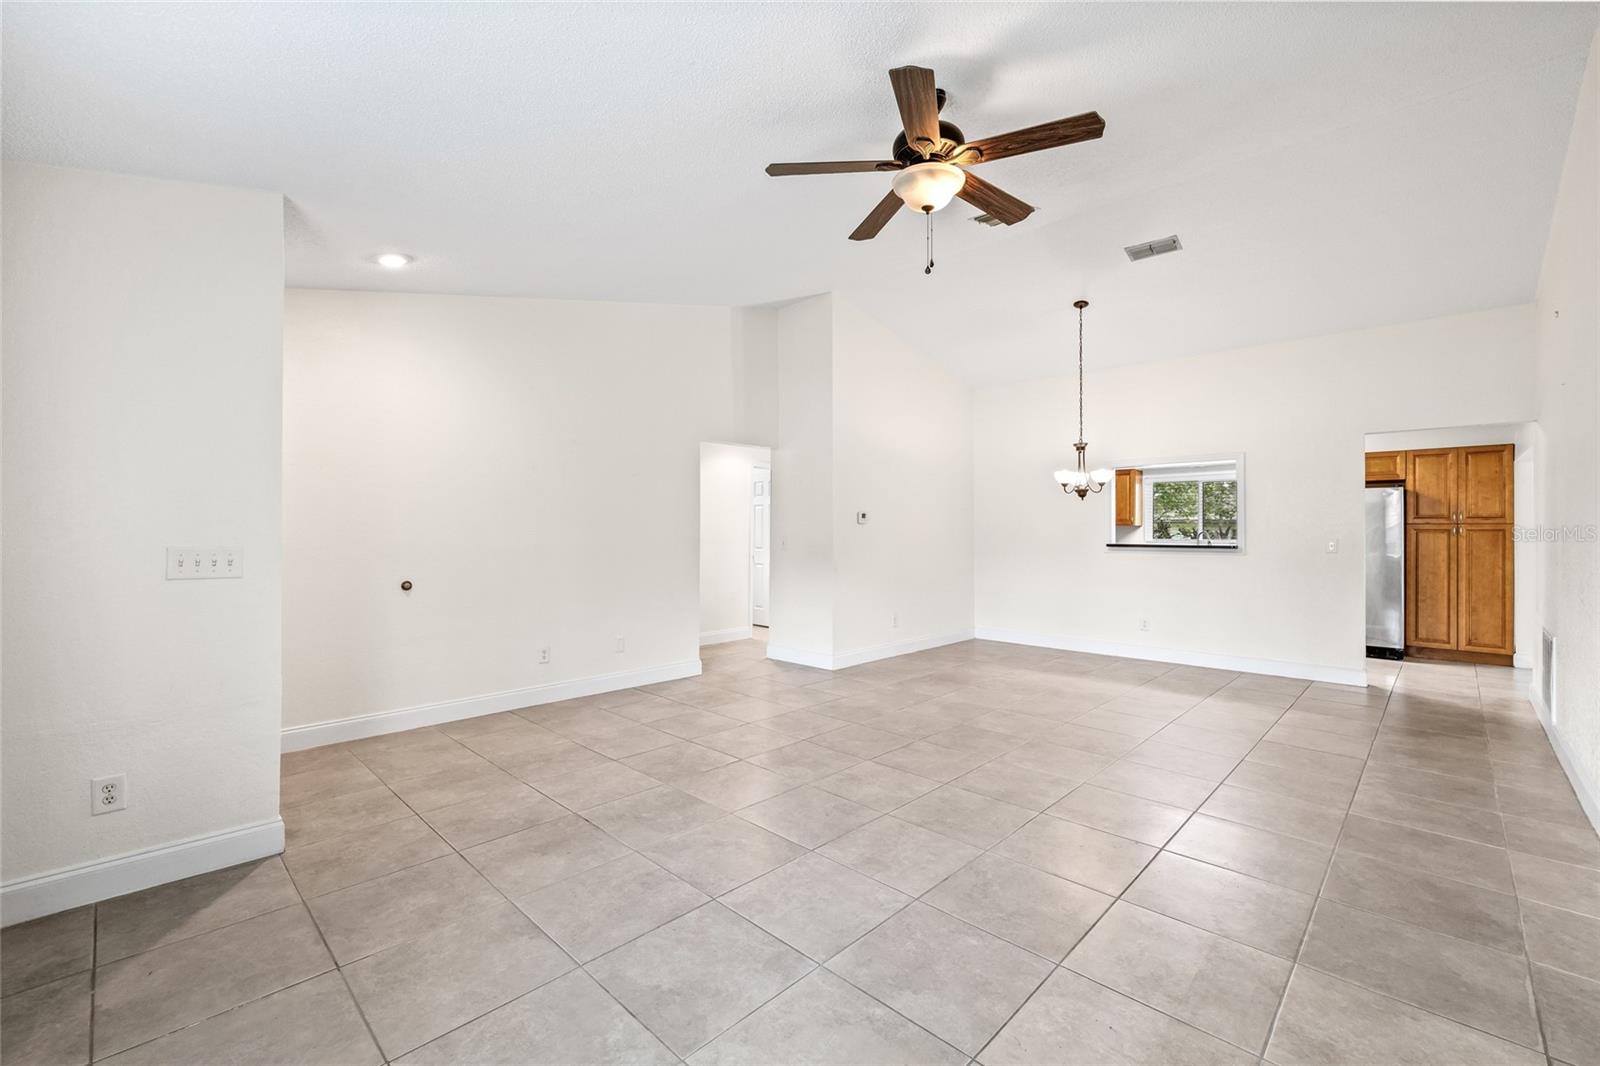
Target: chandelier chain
[(1080, 373)]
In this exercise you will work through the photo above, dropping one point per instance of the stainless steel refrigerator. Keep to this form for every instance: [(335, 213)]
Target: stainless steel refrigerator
[(1386, 570)]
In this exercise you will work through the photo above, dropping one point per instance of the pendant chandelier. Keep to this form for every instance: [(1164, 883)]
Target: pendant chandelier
[(1082, 480)]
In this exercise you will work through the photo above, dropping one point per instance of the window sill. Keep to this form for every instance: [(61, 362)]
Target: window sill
[(1179, 547)]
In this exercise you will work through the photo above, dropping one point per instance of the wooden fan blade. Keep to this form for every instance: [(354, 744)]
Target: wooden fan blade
[(1085, 127), (852, 166), (880, 216), (993, 201), (919, 105)]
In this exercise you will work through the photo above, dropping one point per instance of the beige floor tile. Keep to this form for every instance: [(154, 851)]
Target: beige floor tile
[(538, 767), (334, 777), (965, 816), (722, 855), (595, 785), (932, 761), (1165, 755), (1442, 788), (677, 761), (1224, 988), (1287, 861), (746, 740), (1323, 764), (1330, 1022), (631, 739), (181, 909), (420, 989), (1547, 805), (808, 816), (525, 862), (1073, 1021), (1128, 816), (1571, 844), (803, 725), (373, 915), (298, 762), (1410, 894), (901, 855), (592, 912), (516, 744), (977, 741), (313, 1021), (1016, 785), (1559, 884), (823, 1021), (643, 819), (493, 815), (802, 761), (162, 990), (1256, 913), (336, 815), (484, 724), (1463, 981), (1278, 814), (861, 741), (570, 1020), (1294, 784), (695, 723), (47, 1025), (698, 975), (429, 791), (1098, 860), (1564, 939), (815, 905), (1318, 740), (1152, 783), (1056, 760), (46, 949), (883, 788), (1462, 860), (1390, 805), (951, 978), (340, 861), (436, 759), (736, 785), (1028, 907), (1567, 1013)]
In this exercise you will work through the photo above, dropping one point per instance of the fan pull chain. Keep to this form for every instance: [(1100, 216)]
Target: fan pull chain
[(929, 268)]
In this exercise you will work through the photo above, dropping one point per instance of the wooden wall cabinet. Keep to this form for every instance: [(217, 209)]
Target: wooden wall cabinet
[(1130, 497), (1460, 584), (1385, 466)]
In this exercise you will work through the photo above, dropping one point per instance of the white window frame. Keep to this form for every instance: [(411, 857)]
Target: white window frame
[(1202, 476)]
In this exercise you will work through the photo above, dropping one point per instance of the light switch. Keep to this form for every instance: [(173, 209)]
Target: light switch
[(200, 564)]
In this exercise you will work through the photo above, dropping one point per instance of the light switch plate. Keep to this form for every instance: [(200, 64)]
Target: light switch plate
[(203, 564)]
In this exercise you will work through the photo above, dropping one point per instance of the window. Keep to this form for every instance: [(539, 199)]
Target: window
[(1193, 508)]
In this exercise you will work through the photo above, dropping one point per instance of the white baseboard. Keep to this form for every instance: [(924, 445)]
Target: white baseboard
[(1277, 668), (827, 661), (60, 890), (1586, 796), (722, 636), (297, 738)]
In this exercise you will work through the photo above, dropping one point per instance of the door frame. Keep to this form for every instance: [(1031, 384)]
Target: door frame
[(750, 560)]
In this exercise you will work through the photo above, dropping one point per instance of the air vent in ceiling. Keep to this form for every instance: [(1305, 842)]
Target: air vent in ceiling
[(1137, 252), (986, 220)]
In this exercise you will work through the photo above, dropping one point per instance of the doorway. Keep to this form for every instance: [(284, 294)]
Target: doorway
[(735, 542)]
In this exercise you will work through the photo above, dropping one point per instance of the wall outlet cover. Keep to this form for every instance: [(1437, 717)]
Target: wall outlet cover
[(109, 793)]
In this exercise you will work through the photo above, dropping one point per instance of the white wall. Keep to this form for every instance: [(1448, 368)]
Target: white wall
[(1298, 411), (1569, 412), (143, 345), (1525, 492), (726, 472), (532, 466), (902, 452)]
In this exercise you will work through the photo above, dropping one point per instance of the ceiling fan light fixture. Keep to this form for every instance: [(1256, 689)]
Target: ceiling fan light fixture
[(929, 187)]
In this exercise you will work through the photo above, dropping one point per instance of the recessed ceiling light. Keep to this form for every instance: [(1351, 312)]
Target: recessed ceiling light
[(393, 260)]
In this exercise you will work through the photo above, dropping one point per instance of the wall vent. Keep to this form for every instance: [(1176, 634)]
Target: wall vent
[(1149, 249), (1547, 674), (986, 220)]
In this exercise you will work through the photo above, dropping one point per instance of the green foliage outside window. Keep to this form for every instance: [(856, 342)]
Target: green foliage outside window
[(1194, 510)]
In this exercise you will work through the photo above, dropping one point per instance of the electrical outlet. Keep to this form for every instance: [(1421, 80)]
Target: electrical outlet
[(107, 794), (1144, 625), (544, 655), (1333, 545), (622, 645)]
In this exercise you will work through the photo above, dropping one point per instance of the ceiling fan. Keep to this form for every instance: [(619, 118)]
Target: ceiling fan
[(931, 157)]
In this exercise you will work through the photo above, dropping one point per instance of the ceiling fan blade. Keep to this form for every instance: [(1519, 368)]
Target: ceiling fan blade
[(997, 202), (1085, 127), (852, 166), (919, 105), (880, 216)]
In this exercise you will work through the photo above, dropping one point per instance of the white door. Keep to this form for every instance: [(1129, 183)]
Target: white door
[(760, 543)]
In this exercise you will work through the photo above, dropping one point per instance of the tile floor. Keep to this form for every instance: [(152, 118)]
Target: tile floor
[(983, 851)]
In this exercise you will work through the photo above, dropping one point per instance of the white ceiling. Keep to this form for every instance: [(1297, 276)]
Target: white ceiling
[(1327, 166)]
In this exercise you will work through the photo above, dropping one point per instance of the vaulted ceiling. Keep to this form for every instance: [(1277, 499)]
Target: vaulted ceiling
[(1327, 166)]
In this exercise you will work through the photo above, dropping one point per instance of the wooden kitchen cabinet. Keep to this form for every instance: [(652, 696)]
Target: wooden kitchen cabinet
[(1385, 466), (1130, 497), (1460, 582)]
